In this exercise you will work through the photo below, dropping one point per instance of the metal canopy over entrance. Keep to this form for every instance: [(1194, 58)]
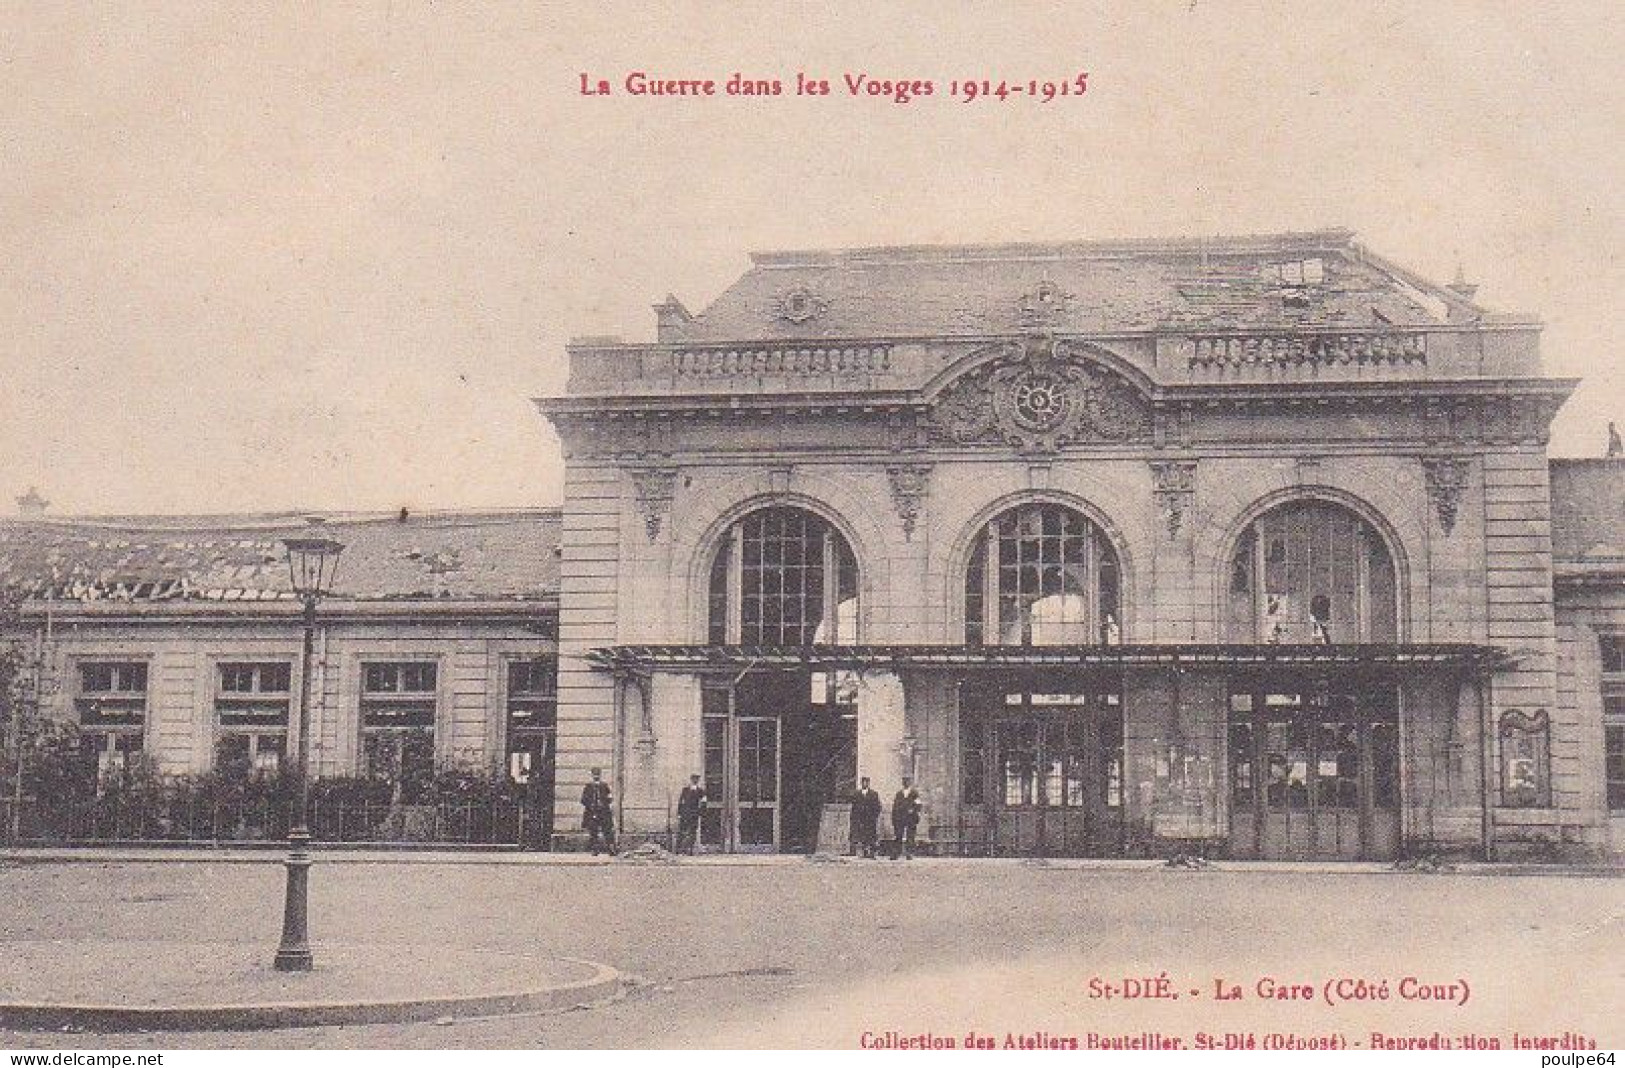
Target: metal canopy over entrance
[(1040, 741), (1480, 659)]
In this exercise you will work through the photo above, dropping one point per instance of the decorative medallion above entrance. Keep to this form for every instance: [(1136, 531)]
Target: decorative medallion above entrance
[(1039, 395)]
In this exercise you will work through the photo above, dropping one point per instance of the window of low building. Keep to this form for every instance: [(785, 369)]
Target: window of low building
[(1613, 718), (532, 720), (111, 704), (398, 701), (251, 704)]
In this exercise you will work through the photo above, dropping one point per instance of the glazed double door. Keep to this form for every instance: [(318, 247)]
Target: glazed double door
[(1314, 775), (743, 783), (1043, 782)]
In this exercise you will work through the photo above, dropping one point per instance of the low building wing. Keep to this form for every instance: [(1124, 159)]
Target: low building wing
[(507, 555)]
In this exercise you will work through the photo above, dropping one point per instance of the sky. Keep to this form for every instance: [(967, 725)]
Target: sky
[(286, 257)]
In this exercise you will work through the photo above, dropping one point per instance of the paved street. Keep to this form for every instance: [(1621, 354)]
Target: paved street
[(808, 954)]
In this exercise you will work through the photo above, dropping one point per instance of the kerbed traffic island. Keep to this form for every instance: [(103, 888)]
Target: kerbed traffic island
[(230, 986)]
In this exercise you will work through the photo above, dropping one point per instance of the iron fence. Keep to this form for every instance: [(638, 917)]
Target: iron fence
[(142, 820)]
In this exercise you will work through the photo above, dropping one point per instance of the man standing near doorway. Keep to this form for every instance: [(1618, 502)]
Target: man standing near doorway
[(690, 803), (865, 819), (905, 818), (598, 814)]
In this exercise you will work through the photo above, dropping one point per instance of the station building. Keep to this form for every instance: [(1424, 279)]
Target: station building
[(1248, 547)]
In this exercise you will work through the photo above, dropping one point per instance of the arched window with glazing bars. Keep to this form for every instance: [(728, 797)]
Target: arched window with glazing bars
[(1311, 572), (1042, 574), (783, 577)]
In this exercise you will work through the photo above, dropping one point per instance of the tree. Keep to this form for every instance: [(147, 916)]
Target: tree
[(38, 755), (17, 707)]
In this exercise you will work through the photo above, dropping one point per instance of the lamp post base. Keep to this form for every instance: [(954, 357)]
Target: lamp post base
[(293, 960), (293, 955)]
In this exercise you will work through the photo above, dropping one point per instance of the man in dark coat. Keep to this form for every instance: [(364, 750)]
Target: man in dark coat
[(690, 803), (905, 818), (865, 819), (597, 814)]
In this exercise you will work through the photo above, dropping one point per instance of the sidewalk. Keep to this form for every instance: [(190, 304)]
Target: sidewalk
[(146, 985), (274, 855)]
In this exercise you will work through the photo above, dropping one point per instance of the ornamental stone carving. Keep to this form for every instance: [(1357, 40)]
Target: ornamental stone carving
[(801, 305), (909, 485), (1045, 305), (1174, 486), (654, 488), (1446, 477), (1038, 396)]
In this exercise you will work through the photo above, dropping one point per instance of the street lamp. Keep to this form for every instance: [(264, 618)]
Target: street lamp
[(312, 563)]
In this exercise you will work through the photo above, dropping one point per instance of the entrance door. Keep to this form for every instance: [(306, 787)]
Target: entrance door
[(531, 753), (757, 781), (778, 747), (1042, 775), (742, 783), (1314, 774)]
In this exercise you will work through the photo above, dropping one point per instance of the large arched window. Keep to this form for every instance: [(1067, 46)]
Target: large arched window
[(1041, 574), (1311, 572), (783, 576)]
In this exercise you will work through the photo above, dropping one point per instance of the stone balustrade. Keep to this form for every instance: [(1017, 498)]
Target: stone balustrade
[(769, 360), (1240, 350)]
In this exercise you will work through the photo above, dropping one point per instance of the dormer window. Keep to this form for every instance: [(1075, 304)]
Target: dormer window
[(1308, 272)]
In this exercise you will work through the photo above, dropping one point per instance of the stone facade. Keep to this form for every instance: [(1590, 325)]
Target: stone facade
[(188, 627), (1171, 394), (182, 657), (1588, 504), (1236, 546)]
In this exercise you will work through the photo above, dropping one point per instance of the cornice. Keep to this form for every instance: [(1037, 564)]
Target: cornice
[(1500, 323), (285, 611), (1165, 394)]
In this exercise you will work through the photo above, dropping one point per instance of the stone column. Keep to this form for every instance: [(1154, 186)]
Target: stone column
[(882, 731), (931, 736), (1173, 749), (661, 753)]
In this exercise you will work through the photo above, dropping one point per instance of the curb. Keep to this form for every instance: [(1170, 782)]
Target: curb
[(603, 984), (24, 857)]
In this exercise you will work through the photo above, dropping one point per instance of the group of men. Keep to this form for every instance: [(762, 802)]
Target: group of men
[(906, 807), (598, 817)]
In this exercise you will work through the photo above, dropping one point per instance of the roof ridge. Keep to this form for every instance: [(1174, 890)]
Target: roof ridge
[(246, 522), (1284, 241)]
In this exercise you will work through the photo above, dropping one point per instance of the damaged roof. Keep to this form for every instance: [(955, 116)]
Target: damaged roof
[(1588, 511), (465, 556), (1280, 281)]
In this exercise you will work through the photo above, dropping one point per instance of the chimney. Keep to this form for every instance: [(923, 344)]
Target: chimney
[(670, 318), (1461, 287), (31, 503)]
